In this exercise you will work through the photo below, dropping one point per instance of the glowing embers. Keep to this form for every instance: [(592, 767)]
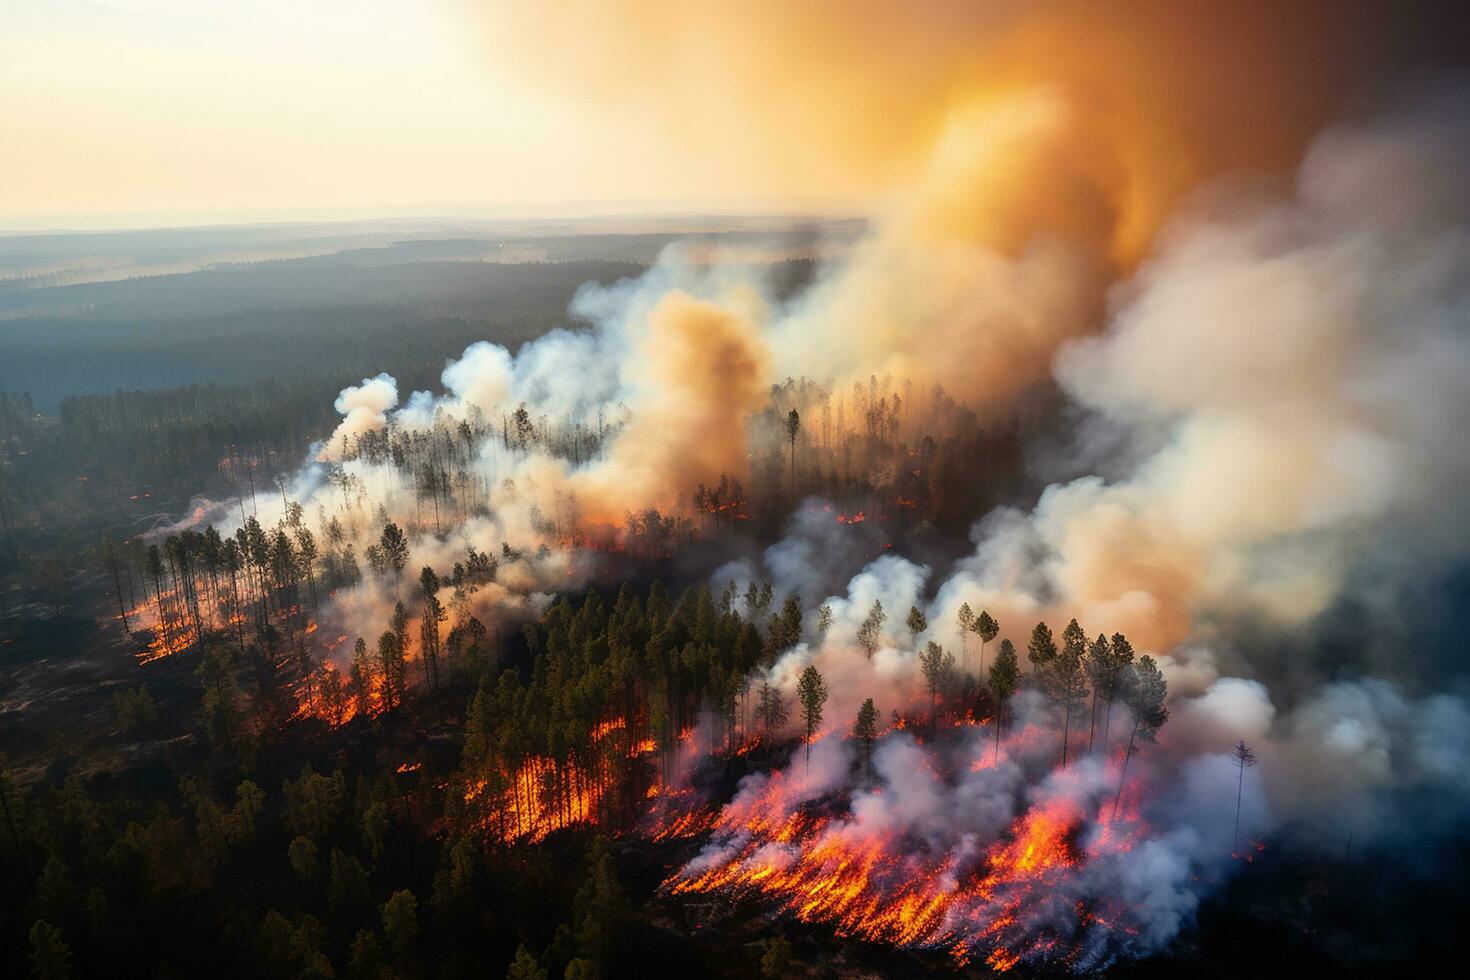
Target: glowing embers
[(325, 693), (538, 798), (1014, 899), (865, 886), (540, 795), (168, 621), (677, 813)]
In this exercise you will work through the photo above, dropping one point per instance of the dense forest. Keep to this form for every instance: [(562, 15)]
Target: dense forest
[(470, 826), (401, 846), (369, 632)]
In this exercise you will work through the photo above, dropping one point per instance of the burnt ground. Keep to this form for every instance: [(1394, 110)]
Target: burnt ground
[(58, 672)]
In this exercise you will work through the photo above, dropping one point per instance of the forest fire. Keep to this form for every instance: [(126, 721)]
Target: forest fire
[(910, 565), (539, 798), (542, 795), (1007, 901)]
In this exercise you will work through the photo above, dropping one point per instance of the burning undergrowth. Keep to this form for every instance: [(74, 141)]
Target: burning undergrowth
[(943, 844)]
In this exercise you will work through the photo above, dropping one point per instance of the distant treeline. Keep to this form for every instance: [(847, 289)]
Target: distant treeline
[(251, 323)]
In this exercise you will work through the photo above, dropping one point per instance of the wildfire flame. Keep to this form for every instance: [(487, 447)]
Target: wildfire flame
[(1005, 901)]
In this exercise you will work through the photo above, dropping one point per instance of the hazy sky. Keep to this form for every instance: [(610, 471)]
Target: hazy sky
[(145, 112)]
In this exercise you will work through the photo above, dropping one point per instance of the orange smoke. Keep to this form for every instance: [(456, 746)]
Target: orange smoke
[(844, 98), (704, 368)]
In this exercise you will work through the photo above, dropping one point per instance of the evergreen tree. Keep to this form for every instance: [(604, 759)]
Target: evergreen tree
[(793, 426), (811, 691), (824, 622), (779, 959), (1119, 670), (865, 730), (393, 545), (931, 665), (1145, 693), (916, 622), (525, 966), (870, 634), (600, 910), (986, 628), (1097, 665), (1244, 758), (1066, 681), (771, 707), (1005, 676), (50, 955), (1041, 650), (965, 621), (401, 922)]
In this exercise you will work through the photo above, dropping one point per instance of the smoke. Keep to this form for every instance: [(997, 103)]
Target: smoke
[(829, 98), (1292, 365), (364, 409), (1303, 356), (1286, 366), (995, 256), (700, 372)]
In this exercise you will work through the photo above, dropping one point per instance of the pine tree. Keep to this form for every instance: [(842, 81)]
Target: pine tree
[(793, 426), (1005, 676), (824, 622), (965, 620), (931, 665), (865, 730), (1096, 665), (525, 966), (771, 707), (811, 691), (916, 622), (1120, 663), (1244, 758), (394, 547), (870, 634), (1067, 682), (1041, 650), (50, 955), (986, 628), (1145, 693), (401, 922)]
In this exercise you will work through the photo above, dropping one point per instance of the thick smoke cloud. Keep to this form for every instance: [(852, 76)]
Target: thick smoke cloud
[(1295, 364), (979, 271), (1306, 357), (700, 372)]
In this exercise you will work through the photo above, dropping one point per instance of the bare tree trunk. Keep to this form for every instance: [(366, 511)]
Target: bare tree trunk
[(1239, 788), (1123, 776), (1092, 726), (1066, 730)]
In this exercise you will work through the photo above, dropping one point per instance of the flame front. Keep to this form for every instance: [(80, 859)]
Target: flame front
[(1011, 899)]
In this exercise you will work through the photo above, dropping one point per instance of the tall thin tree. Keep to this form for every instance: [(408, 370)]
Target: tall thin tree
[(811, 691), (1244, 758)]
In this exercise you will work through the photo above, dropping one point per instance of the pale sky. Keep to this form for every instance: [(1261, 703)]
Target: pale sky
[(130, 113)]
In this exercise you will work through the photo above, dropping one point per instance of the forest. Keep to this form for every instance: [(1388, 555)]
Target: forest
[(881, 490)]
